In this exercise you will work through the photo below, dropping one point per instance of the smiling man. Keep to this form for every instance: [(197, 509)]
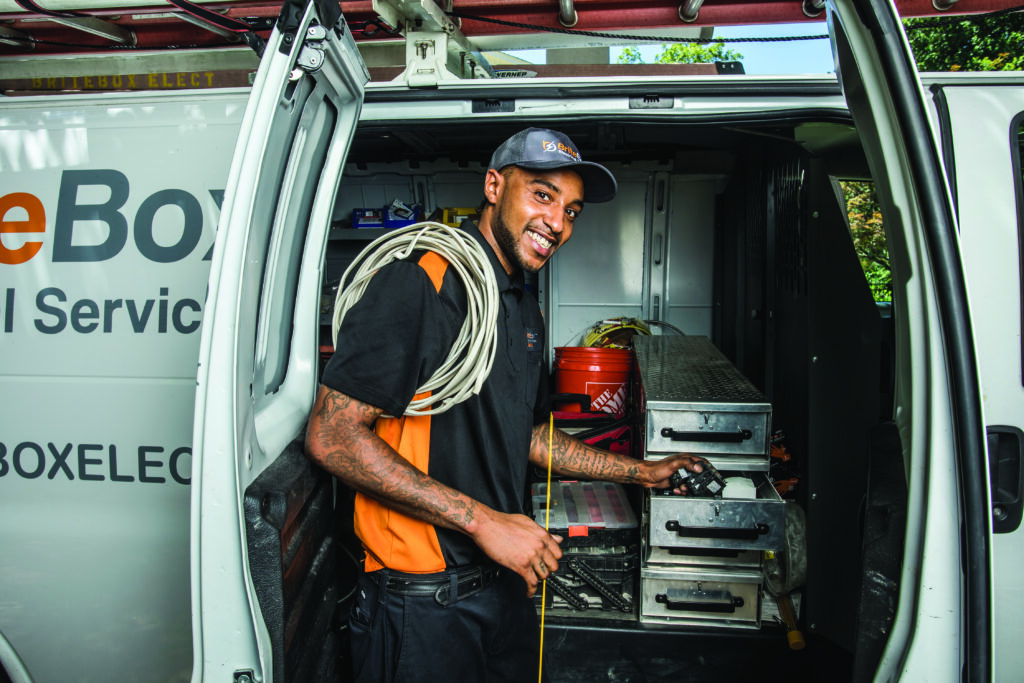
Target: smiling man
[(537, 183), (451, 558)]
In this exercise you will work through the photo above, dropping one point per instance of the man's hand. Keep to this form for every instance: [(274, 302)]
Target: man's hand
[(657, 472), (519, 543), (575, 458)]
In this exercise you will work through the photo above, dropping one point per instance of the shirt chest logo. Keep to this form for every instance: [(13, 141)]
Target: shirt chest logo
[(533, 339)]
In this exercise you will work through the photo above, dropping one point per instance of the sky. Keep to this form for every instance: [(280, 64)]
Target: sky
[(790, 57)]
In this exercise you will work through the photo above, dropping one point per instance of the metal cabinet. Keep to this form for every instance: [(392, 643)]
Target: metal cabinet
[(701, 559)]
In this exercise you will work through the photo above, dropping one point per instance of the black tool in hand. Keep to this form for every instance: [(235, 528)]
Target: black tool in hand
[(707, 483)]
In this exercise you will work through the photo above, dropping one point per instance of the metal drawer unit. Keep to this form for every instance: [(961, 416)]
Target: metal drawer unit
[(701, 557), (696, 401)]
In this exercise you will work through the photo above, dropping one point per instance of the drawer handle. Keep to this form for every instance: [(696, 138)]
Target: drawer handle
[(733, 533), (738, 436), (718, 601)]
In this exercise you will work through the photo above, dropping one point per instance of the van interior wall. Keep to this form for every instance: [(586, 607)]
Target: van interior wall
[(799, 320)]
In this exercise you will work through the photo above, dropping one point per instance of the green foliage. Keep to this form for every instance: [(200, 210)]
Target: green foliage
[(683, 53), (865, 217), (880, 281), (977, 44)]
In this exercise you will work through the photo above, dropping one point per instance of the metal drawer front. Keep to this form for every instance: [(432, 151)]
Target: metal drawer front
[(755, 524), (705, 597), (708, 429), (696, 401)]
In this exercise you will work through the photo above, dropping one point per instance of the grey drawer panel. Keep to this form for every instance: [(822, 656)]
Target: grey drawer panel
[(708, 429), (706, 597), (748, 524)]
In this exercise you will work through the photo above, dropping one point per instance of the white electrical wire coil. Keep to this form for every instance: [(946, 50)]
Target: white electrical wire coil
[(469, 362)]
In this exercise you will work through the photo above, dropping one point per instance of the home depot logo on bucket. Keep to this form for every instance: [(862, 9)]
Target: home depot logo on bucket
[(607, 398), (601, 373)]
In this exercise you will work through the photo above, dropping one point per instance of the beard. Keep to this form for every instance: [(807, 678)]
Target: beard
[(508, 243)]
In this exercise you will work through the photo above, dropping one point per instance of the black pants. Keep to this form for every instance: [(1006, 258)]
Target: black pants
[(490, 636)]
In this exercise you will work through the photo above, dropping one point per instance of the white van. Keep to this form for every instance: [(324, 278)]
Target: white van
[(158, 518)]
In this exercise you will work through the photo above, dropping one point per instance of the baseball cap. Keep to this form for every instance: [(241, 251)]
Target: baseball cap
[(539, 149)]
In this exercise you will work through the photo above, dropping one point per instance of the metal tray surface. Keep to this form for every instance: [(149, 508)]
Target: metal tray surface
[(691, 370)]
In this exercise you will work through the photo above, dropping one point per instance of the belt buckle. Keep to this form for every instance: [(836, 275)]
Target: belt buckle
[(480, 578)]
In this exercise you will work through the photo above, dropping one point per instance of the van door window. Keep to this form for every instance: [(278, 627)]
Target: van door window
[(309, 147), (865, 219)]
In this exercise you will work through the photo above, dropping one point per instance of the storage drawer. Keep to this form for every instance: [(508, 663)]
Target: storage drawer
[(729, 598), (696, 401), (739, 524), (712, 431)]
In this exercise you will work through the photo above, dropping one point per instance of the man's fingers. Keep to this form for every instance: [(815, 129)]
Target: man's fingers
[(531, 586)]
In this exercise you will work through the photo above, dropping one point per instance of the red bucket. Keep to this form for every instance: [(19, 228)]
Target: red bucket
[(602, 374)]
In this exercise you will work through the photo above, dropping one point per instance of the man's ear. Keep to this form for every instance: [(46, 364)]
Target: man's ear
[(494, 182)]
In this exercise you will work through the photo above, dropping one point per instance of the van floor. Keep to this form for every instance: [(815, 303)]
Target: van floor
[(576, 655)]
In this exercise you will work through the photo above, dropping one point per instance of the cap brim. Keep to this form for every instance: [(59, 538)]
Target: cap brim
[(599, 184)]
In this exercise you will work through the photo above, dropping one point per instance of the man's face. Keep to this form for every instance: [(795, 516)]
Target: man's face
[(534, 214)]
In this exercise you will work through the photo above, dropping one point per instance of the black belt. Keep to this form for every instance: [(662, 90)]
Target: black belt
[(463, 582)]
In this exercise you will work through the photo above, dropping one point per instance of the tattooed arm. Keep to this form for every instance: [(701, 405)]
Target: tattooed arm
[(340, 438), (570, 456)]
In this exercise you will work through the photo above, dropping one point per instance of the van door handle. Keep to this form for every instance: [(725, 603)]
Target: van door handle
[(1005, 449)]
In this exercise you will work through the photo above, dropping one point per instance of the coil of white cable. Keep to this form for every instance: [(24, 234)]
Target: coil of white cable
[(469, 362)]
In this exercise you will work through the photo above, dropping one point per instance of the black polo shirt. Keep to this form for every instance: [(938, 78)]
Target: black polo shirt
[(389, 344)]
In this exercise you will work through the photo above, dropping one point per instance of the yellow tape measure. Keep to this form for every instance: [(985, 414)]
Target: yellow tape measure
[(547, 523)]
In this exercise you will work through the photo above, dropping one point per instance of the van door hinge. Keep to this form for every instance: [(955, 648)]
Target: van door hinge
[(244, 676), (311, 56)]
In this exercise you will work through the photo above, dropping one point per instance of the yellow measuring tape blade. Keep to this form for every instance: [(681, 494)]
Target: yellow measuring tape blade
[(547, 523)]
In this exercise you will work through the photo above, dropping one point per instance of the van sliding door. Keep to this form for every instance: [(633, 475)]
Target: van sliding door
[(261, 516), (942, 623), (982, 117)]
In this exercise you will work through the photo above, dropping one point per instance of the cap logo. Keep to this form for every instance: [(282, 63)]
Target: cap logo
[(561, 148)]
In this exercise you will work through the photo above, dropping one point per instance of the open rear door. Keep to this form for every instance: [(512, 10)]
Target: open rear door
[(943, 609), (983, 124), (261, 543)]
